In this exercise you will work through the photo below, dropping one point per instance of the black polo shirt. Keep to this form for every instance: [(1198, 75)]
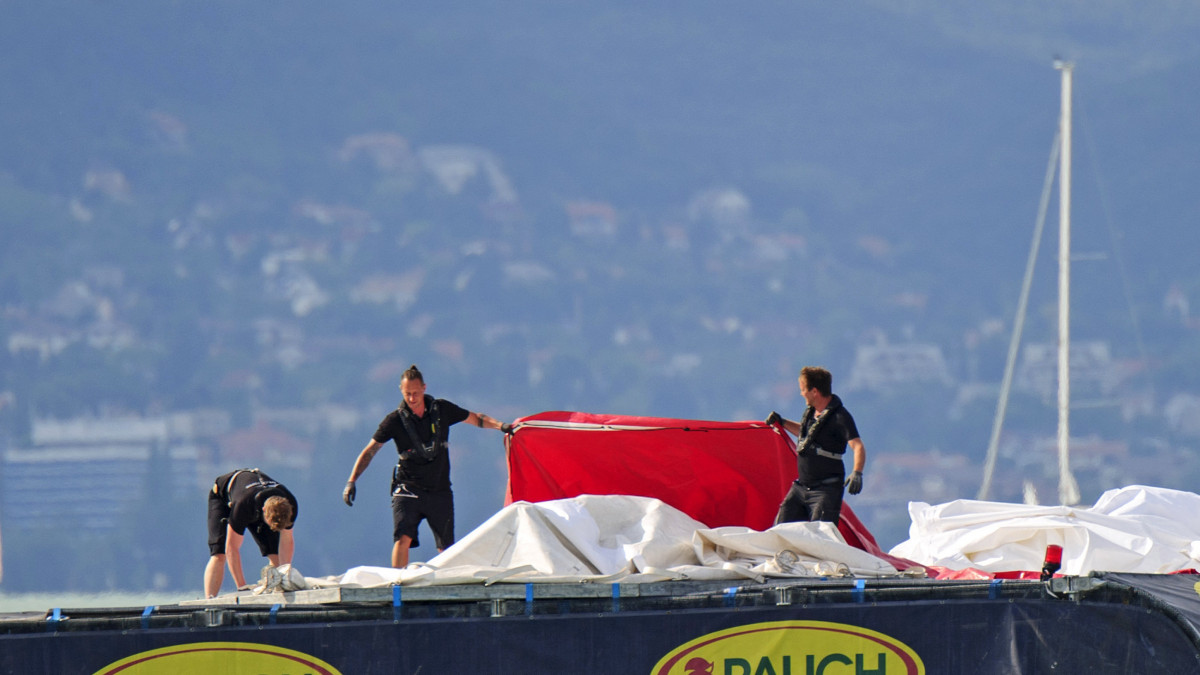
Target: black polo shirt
[(246, 493), (831, 436), (414, 470)]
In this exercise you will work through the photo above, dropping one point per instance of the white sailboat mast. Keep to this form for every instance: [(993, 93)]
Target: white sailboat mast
[(1014, 343), (1068, 489)]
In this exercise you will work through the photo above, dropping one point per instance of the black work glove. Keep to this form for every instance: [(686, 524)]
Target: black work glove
[(774, 418), (349, 493), (506, 428), (854, 483)]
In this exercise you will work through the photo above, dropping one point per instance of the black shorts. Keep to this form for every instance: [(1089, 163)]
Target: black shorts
[(411, 506), (218, 525), (820, 502)]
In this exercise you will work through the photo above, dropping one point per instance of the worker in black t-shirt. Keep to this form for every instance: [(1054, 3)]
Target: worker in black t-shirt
[(823, 433), (241, 500), (420, 428)]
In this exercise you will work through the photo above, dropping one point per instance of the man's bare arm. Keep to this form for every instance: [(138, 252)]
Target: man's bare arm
[(364, 459), (484, 421)]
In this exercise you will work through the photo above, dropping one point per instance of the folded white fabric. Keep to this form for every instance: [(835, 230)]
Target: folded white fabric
[(810, 550), (1133, 529), (628, 539)]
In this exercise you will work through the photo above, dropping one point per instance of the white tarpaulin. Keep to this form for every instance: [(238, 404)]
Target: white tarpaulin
[(1135, 529), (627, 539)]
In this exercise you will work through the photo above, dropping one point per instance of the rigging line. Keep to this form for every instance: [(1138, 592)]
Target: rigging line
[(1019, 322), (1114, 236)]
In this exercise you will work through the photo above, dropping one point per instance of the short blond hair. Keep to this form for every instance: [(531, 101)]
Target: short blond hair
[(278, 513)]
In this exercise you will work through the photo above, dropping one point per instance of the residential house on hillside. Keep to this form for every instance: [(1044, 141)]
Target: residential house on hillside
[(286, 279), (81, 310), (334, 215), (527, 272), (399, 290), (41, 337), (778, 248), (109, 335), (592, 219), (1097, 464), (885, 367), (109, 182), (1093, 371), (387, 152), (453, 166), (727, 208)]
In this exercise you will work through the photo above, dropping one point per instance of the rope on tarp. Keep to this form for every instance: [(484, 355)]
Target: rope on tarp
[(597, 426)]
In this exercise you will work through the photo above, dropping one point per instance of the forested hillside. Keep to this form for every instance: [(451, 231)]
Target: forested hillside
[(657, 210)]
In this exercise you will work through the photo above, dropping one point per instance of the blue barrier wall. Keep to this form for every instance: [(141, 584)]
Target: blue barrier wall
[(935, 636)]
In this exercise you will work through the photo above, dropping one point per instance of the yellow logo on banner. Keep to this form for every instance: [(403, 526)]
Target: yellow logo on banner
[(227, 658), (792, 648)]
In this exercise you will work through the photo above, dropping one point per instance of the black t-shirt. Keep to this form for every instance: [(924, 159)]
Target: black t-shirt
[(415, 470), (830, 436), (247, 493)]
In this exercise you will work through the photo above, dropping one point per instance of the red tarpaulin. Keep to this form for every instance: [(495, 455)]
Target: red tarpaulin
[(720, 473)]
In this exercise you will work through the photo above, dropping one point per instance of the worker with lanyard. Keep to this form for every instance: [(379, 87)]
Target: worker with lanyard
[(420, 428), (823, 433)]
